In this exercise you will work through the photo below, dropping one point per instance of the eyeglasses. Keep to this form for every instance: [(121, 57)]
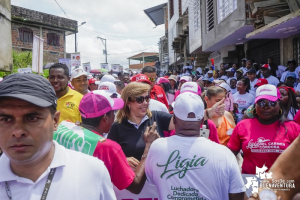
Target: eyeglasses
[(140, 99), (152, 79), (262, 103)]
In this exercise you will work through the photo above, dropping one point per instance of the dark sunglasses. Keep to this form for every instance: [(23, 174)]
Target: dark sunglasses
[(262, 103), (152, 79), (140, 99)]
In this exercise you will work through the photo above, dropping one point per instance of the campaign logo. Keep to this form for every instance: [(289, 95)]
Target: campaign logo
[(103, 87), (262, 145), (265, 90), (70, 105), (141, 78)]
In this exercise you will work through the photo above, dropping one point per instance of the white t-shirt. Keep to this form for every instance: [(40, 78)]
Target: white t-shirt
[(77, 176), (290, 115), (192, 168), (243, 101), (252, 84), (155, 105), (272, 80), (199, 70), (224, 77), (297, 70), (298, 87), (233, 91), (282, 79)]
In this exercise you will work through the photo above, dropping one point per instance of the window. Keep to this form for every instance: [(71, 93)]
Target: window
[(25, 35), (210, 14), (53, 39), (171, 3), (296, 49), (196, 15), (225, 8)]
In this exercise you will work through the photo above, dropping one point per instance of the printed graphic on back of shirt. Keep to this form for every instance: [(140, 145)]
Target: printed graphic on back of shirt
[(262, 145)]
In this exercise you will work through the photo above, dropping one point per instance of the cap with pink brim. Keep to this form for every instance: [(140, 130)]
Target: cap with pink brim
[(269, 92), (97, 103)]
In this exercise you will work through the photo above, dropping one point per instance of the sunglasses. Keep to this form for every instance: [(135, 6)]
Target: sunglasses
[(152, 79), (262, 103), (140, 99)]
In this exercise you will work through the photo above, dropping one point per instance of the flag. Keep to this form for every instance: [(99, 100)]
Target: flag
[(37, 54), (213, 63)]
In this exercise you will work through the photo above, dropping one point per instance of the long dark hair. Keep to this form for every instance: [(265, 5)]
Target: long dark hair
[(167, 88), (292, 105)]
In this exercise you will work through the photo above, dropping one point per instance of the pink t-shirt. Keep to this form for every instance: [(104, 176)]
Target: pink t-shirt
[(229, 103), (213, 132), (261, 144), (115, 161)]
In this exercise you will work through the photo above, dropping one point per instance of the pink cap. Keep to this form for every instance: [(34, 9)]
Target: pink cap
[(185, 78), (141, 78), (190, 87), (97, 103), (269, 92), (163, 80)]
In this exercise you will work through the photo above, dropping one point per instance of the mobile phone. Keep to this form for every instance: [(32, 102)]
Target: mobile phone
[(204, 132)]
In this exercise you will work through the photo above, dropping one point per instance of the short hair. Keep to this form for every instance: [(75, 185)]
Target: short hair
[(148, 69), (120, 74), (94, 121), (60, 66), (120, 85), (52, 110)]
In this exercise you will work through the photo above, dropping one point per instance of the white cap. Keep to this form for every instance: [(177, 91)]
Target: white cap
[(89, 76), (106, 78), (77, 73), (190, 87), (108, 87), (210, 72), (185, 78), (187, 103), (225, 86), (115, 75), (267, 91)]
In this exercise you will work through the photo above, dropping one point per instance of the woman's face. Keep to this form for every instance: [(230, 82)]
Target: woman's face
[(284, 96), (180, 84), (234, 67), (172, 82), (267, 112), (241, 87), (139, 109), (215, 99)]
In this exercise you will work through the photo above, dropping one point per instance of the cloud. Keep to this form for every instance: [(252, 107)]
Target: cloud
[(123, 23)]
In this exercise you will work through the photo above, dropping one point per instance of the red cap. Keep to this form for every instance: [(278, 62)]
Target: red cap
[(92, 80), (266, 66), (261, 81), (141, 78)]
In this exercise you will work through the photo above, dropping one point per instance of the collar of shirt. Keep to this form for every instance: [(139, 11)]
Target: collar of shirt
[(138, 125), (59, 160)]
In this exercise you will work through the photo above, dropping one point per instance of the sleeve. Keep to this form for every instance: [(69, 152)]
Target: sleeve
[(113, 132), (235, 143), (105, 186), (213, 133), (163, 119), (148, 165), (231, 102), (122, 174), (282, 77), (236, 183)]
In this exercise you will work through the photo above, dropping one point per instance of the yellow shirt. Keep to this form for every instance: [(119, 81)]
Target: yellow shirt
[(68, 105)]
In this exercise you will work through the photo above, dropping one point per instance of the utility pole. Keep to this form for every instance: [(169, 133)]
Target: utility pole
[(104, 43)]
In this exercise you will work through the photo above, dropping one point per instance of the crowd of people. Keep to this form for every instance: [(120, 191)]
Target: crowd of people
[(192, 134)]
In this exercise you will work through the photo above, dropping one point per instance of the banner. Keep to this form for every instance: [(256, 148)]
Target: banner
[(37, 54), (120, 68), (87, 67), (66, 61), (115, 67), (76, 137), (104, 65), (24, 70), (75, 60), (149, 192)]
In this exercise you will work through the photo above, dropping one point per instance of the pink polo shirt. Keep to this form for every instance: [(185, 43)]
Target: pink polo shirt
[(261, 144)]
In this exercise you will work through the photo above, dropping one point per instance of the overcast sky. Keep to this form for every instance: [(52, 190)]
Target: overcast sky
[(124, 24)]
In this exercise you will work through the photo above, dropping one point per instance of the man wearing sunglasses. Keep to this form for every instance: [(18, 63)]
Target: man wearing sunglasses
[(156, 92)]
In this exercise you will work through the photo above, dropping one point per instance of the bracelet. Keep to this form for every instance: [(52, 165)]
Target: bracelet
[(207, 114), (144, 156)]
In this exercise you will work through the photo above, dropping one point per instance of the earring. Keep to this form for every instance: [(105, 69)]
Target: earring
[(280, 112)]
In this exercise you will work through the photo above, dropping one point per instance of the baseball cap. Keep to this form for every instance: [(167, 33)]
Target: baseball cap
[(187, 103), (115, 76), (77, 73), (210, 72), (173, 77), (97, 103), (290, 74), (184, 78), (251, 71), (29, 87), (225, 86), (108, 87), (106, 78), (292, 61), (266, 66), (240, 70), (190, 87), (260, 82), (92, 80), (163, 80), (208, 79), (141, 78), (230, 70), (244, 59), (268, 91)]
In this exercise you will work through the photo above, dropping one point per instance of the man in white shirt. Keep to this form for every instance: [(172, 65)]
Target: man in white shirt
[(33, 166), (243, 67), (189, 166), (266, 72), (251, 74), (292, 64)]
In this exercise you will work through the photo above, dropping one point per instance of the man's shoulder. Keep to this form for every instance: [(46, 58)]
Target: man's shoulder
[(109, 146)]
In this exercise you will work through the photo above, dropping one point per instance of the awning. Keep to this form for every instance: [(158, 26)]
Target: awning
[(281, 28), (156, 14), (145, 56)]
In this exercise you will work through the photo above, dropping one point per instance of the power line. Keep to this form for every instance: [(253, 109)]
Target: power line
[(62, 9), (130, 52)]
